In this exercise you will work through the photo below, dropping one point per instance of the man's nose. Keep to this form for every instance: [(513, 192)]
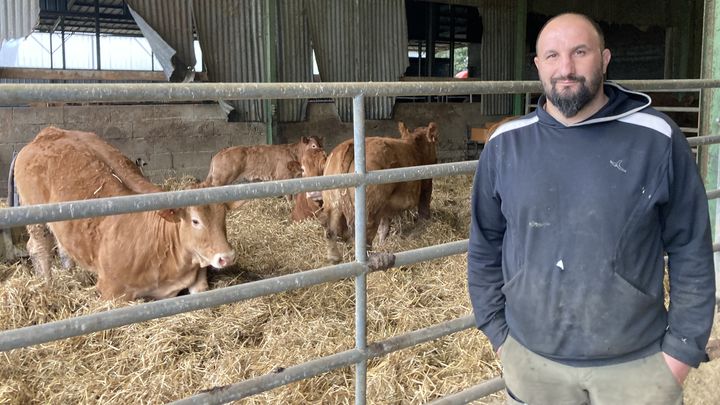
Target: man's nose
[(567, 66)]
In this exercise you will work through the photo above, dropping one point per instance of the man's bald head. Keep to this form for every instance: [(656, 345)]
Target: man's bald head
[(572, 17)]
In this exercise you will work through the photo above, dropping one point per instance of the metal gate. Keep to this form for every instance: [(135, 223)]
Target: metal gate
[(364, 350)]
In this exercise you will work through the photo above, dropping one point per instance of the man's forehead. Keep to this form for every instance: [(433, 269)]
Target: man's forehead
[(566, 32)]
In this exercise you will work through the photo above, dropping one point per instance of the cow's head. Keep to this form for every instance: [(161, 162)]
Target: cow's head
[(313, 164), (310, 143), (203, 232), (425, 140)]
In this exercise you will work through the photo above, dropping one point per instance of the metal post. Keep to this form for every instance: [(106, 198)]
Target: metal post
[(62, 42), (270, 73), (520, 28), (709, 119), (97, 33), (451, 72), (360, 250), (51, 49)]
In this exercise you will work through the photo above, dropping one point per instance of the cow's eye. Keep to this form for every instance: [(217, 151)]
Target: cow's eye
[(195, 222)]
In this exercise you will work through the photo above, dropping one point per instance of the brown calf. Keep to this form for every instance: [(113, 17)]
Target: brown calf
[(139, 255), (258, 162), (308, 205), (383, 201)]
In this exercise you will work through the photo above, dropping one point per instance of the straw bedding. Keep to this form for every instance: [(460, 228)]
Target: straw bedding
[(171, 358)]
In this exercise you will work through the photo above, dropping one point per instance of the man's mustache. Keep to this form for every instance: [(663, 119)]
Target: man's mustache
[(575, 78)]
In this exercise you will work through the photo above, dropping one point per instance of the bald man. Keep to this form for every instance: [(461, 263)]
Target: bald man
[(574, 207)]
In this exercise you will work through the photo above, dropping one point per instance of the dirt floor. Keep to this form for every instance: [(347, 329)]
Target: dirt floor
[(168, 359)]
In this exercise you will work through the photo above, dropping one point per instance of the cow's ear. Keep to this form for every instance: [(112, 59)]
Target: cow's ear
[(432, 132), (233, 205), (304, 139), (170, 214), (403, 129), (295, 168)]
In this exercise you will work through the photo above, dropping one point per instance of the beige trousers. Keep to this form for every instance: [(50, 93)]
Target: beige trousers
[(534, 380)]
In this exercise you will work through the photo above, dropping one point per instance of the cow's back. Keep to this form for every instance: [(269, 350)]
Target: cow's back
[(60, 166)]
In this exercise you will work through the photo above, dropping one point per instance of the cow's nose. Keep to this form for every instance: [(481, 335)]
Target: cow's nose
[(222, 260)]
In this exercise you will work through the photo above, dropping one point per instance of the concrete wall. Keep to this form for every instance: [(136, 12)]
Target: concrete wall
[(453, 120), (179, 139), (172, 140)]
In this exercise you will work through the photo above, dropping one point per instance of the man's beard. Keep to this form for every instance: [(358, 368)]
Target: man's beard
[(569, 103)]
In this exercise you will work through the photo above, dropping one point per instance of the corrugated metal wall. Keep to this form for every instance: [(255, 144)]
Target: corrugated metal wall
[(18, 18), (650, 12), (231, 37), (497, 52), (168, 27), (359, 41), (294, 62)]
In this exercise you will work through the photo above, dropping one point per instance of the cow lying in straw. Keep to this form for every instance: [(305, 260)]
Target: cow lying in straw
[(150, 255), (383, 201), (258, 162)]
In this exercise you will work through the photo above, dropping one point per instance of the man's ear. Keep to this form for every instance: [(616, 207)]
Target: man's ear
[(606, 56), (171, 214)]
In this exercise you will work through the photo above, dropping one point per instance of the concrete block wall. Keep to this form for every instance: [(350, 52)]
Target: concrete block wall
[(180, 139), (173, 139), (453, 120)]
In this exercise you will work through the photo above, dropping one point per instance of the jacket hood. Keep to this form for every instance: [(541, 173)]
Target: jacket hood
[(621, 102)]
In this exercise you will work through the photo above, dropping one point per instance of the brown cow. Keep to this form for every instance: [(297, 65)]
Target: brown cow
[(383, 201), (258, 162), (308, 205), (138, 255)]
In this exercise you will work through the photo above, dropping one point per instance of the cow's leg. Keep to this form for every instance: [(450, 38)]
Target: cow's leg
[(383, 230), (200, 283), (425, 197), (65, 260), (111, 289), (333, 232), (40, 247), (372, 230)]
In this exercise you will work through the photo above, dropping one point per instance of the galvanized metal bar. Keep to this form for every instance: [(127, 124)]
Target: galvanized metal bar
[(678, 109), (430, 252), (471, 394), (244, 389), (360, 250), (170, 92), (713, 194), (42, 213), (418, 336), (48, 332), (704, 140), (51, 331)]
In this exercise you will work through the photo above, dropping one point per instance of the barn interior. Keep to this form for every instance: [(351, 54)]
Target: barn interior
[(347, 41), (250, 41)]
